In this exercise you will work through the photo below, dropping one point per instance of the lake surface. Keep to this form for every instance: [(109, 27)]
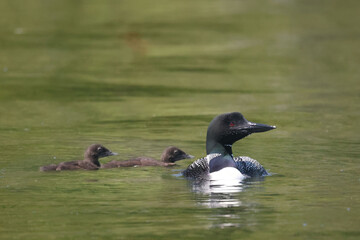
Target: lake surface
[(138, 76)]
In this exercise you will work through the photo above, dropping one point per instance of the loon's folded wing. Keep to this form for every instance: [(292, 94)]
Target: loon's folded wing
[(246, 165), (197, 170), (250, 167)]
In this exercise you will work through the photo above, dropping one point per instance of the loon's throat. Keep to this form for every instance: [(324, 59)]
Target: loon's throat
[(219, 156), (228, 148), (217, 162), (216, 147)]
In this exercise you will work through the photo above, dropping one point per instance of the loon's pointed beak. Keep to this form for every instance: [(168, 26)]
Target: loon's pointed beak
[(258, 127), (188, 156), (113, 153)]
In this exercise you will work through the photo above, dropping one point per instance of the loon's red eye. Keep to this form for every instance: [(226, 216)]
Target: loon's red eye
[(231, 124)]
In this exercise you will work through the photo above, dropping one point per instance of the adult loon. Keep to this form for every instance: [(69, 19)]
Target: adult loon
[(219, 164), (90, 162), (168, 158)]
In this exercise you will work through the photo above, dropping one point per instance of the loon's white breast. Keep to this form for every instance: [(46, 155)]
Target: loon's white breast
[(227, 173)]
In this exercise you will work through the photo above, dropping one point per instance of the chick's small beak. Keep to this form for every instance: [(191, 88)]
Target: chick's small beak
[(107, 154), (113, 153), (183, 156)]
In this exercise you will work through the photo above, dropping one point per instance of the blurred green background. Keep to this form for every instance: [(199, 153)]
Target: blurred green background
[(138, 76)]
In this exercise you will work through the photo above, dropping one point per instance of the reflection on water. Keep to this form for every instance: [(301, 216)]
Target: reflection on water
[(215, 193), (225, 200), (220, 194), (218, 186)]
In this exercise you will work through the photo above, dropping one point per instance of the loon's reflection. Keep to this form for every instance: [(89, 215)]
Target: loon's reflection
[(218, 194), (228, 201), (221, 194)]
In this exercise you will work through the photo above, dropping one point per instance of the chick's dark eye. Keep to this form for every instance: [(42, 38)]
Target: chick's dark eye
[(99, 149), (231, 124)]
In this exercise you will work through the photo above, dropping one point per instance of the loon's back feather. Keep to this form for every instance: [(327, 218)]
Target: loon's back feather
[(250, 167), (199, 169)]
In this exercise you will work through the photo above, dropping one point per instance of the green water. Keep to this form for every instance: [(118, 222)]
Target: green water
[(138, 76)]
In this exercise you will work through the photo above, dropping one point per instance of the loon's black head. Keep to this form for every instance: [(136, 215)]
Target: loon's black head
[(228, 128), (173, 154), (96, 151)]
